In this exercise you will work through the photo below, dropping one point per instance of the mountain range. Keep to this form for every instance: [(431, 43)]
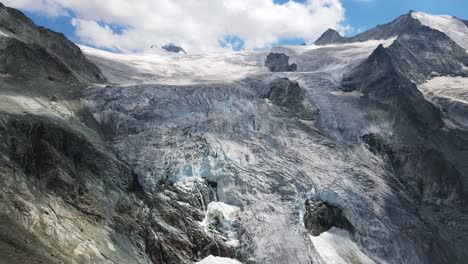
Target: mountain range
[(348, 150)]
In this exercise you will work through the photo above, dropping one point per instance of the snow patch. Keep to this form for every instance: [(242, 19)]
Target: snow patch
[(451, 26), (218, 260), (3, 34), (453, 88), (220, 217), (335, 246)]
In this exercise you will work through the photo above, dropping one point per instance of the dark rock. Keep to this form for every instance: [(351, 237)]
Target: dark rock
[(377, 145), (382, 81), (290, 95), (428, 174), (319, 216), (410, 54), (30, 60), (55, 44), (279, 62)]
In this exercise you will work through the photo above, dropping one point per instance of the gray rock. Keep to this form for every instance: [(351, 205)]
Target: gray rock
[(42, 40), (328, 37), (290, 95), (320, 216), (279, 62)]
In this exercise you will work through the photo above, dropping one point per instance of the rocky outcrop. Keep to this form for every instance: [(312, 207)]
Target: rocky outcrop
[(329, 37), (382, 81), (279, 62), (291, 96), (320, 216)]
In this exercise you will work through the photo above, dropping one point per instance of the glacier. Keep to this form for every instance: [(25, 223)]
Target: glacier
[(162, 157), (263, 160)]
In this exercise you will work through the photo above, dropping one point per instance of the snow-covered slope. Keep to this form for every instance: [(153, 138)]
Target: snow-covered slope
[(451, 94), (171, 68), (452, 26)]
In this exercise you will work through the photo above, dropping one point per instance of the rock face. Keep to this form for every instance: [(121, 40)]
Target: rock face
[(173, 48), (381, 80), (328, 37), (289, 94), (32, 39), (279, 62), (320, 217)]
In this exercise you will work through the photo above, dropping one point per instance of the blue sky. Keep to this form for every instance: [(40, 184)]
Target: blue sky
[(360, 15)]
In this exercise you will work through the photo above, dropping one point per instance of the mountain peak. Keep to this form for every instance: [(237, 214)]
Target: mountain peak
[(453, 27), (328, 37)]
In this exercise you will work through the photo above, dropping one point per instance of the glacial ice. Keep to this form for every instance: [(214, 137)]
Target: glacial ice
[(207, 113)]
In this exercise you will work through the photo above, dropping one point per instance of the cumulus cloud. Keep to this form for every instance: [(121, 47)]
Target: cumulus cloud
[(197, 25)]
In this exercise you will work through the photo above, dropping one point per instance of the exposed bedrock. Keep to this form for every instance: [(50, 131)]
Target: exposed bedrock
[(22, 60), (288, 94), (319, 216), (51, 171), (279, 62), (16, 25), (381, 81), (425, 170), (328, 37)]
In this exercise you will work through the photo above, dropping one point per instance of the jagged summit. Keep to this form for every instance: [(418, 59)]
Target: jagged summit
[(407, 23), (328, 37)]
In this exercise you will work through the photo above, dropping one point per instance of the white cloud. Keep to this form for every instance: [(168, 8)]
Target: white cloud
[(197, 25)]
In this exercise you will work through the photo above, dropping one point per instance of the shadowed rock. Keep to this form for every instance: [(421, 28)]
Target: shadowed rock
[(289, 94), (328, 37), (17, 26), (320, 216), (279, 62)]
